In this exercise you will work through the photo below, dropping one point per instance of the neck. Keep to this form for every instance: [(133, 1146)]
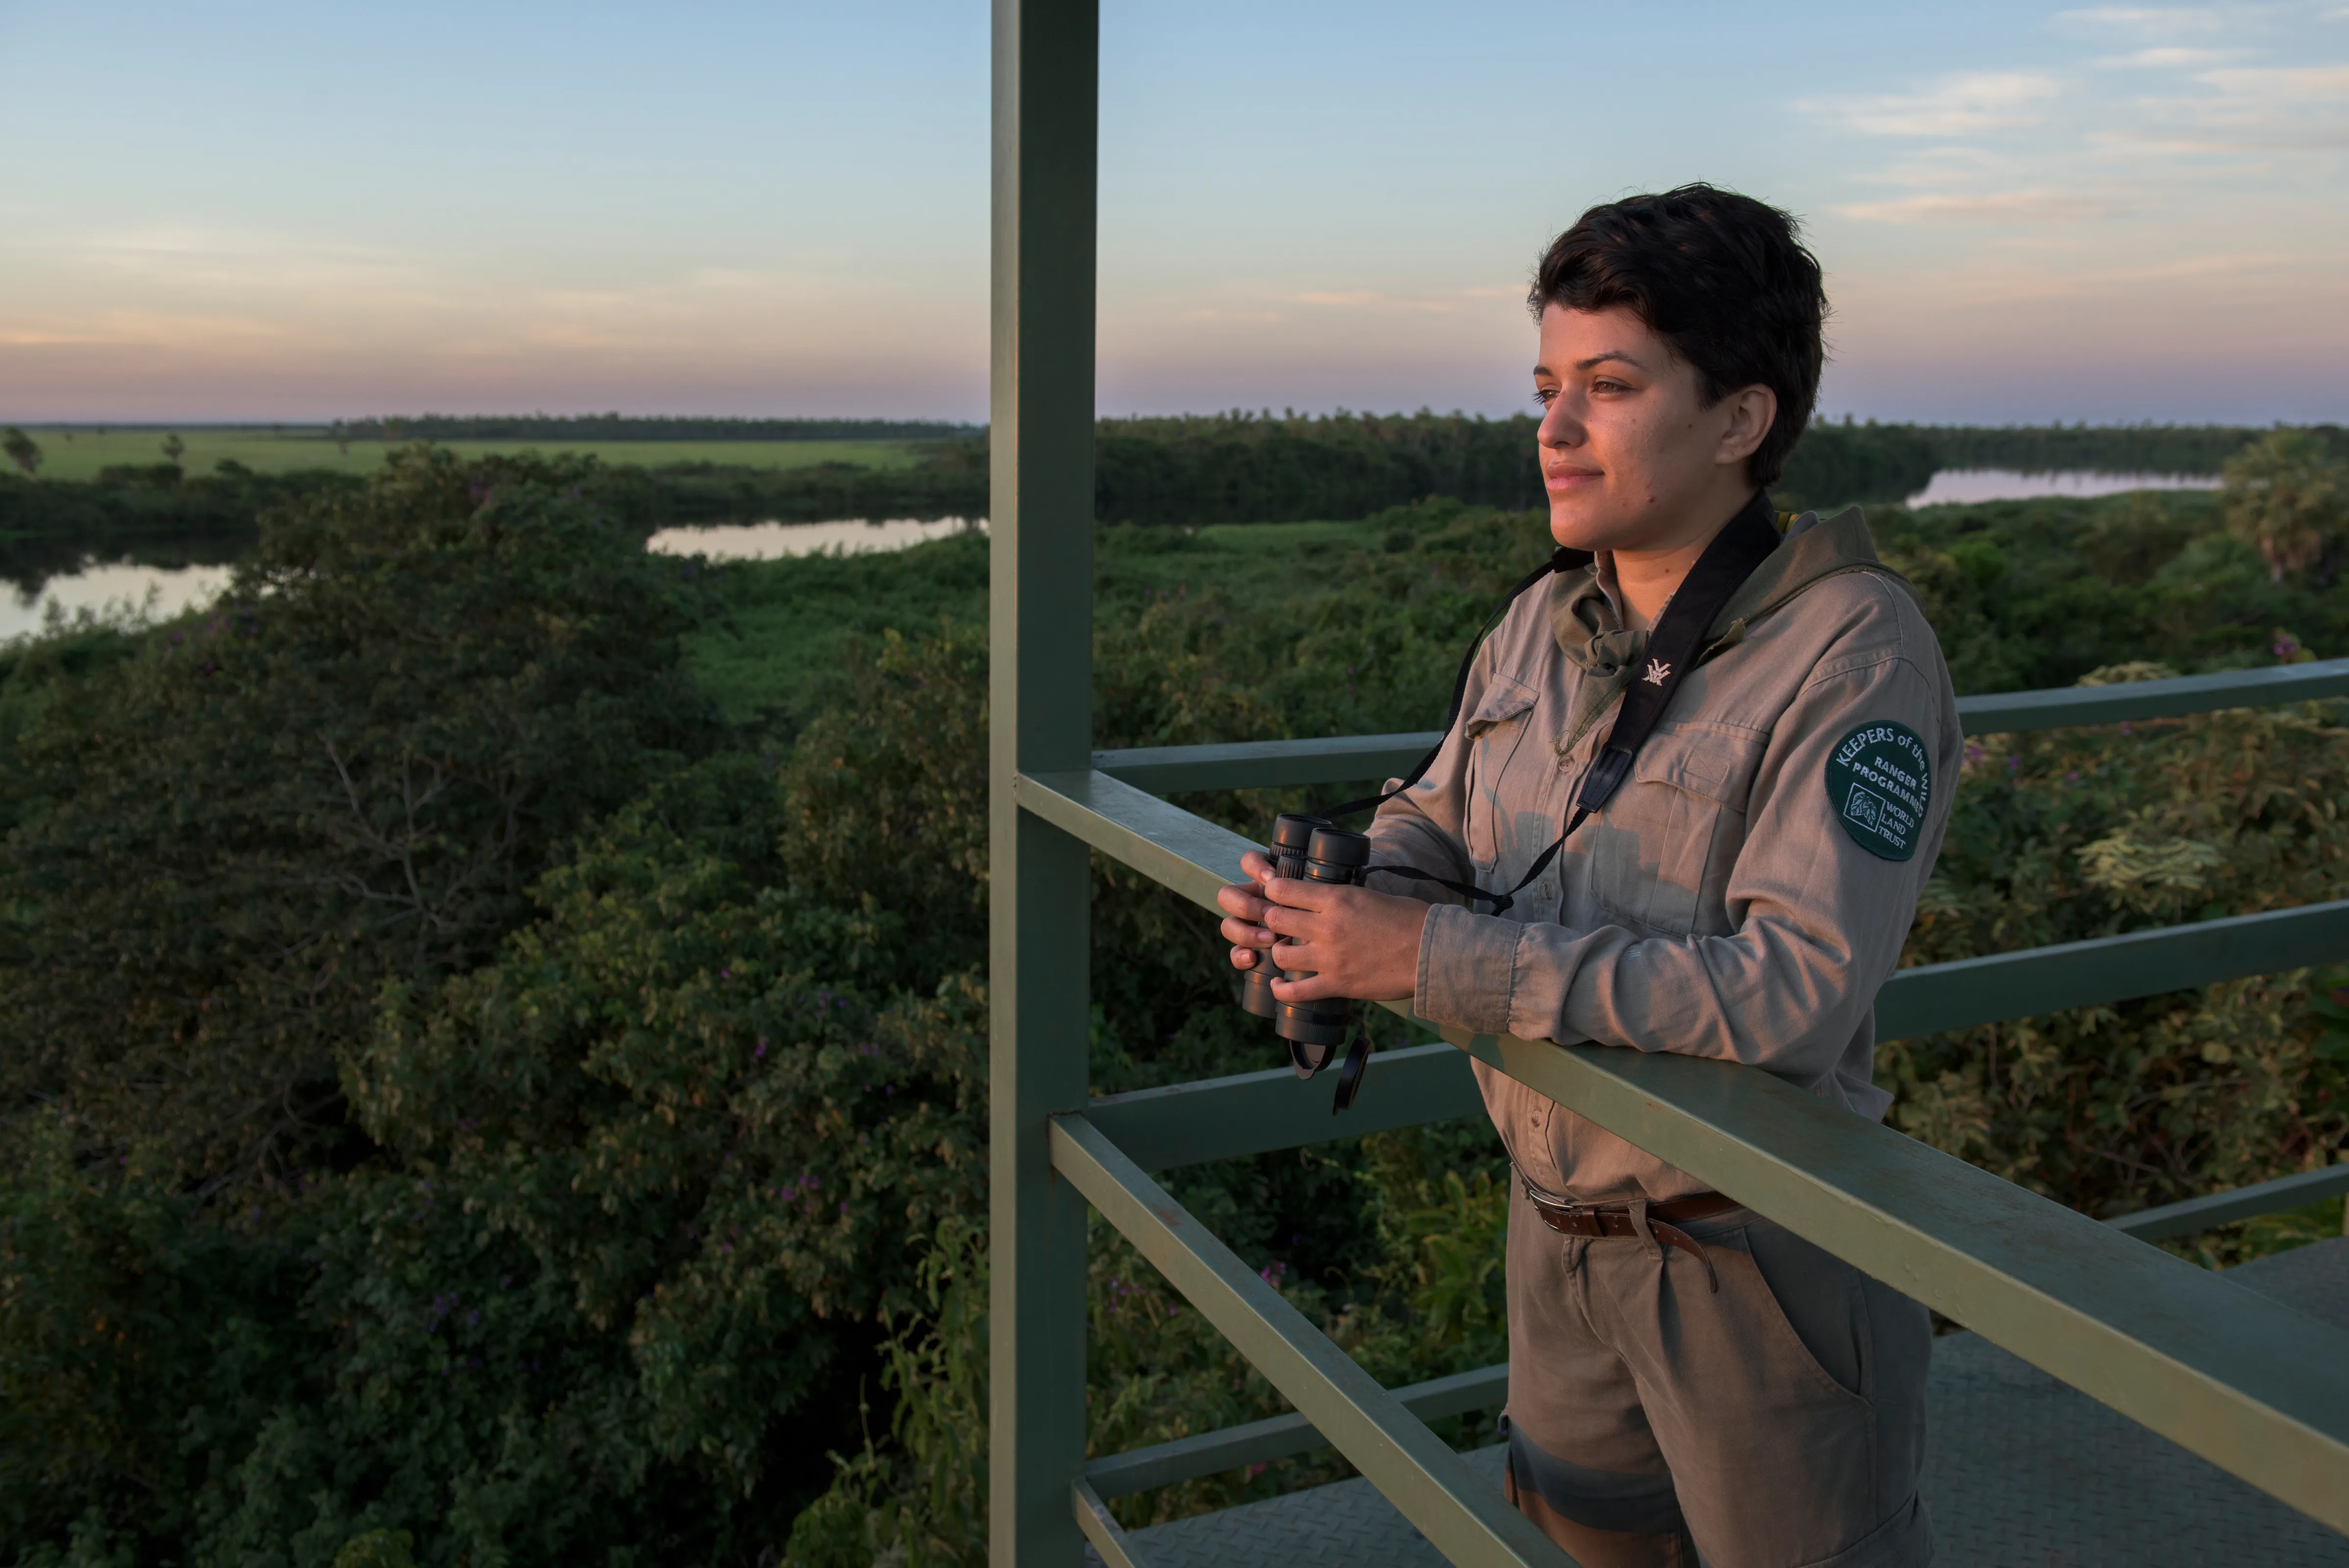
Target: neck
[(1648, 578)]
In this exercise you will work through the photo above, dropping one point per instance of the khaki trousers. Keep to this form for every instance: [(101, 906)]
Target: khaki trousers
[(1779, 1423)]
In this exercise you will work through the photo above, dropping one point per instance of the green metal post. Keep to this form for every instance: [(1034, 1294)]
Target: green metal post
[(1041, 520)]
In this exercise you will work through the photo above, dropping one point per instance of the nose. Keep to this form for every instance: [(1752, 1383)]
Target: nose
[(1559, 427)]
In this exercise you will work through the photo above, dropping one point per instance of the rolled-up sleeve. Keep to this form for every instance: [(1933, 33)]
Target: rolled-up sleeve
[(1817, 917)]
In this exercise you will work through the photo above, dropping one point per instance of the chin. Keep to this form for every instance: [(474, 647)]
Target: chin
[(1574, 527)]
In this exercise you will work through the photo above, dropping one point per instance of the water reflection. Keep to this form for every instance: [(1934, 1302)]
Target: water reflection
[(1968, 484), (774, 541), (128, 591), (117, 591)]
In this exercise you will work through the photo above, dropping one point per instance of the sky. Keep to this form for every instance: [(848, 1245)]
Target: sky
[(256, 212)]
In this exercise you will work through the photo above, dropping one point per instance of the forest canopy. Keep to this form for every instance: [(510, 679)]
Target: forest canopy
[(497, 1018)]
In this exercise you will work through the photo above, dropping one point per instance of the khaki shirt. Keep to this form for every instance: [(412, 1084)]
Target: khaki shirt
[(1718, 906)]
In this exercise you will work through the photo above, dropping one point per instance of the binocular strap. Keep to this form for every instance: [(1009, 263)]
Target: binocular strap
[(1673, 648), (1308, 1059)]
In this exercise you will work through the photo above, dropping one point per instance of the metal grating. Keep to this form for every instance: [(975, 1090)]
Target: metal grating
[(2022, 1471)]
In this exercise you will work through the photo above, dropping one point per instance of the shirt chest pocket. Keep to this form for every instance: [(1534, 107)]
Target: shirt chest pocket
[(1660, 854), (1495, 732)]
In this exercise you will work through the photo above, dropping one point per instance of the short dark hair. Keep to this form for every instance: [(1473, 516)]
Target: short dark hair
[(1721, 278)]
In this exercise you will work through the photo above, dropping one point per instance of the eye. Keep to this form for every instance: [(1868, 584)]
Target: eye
[(1607, 384), (1545, 396)]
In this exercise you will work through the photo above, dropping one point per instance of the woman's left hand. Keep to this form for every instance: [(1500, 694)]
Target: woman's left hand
[(1357, 944)]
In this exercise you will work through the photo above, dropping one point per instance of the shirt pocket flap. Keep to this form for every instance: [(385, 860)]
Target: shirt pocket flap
[(1715, 764), (1504, 701)]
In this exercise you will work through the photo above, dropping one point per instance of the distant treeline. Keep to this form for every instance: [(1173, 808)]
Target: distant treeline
[(631, 427), (1257, 468), (1226, 468), (1266, 468)]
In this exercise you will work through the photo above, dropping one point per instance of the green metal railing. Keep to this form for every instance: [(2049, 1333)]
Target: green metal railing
[(2251, 1385)]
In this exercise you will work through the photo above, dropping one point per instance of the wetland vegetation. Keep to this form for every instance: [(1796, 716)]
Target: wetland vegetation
[(497, 1016)]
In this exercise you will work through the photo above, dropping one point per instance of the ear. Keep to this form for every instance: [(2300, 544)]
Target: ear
[(1747, 415)]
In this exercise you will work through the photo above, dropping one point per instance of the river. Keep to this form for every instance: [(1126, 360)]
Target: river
[(115, 590)]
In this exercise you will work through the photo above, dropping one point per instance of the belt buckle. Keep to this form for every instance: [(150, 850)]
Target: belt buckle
[(1561, 1217)]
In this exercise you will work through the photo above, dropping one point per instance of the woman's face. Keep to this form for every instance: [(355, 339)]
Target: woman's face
[(1633, 456)]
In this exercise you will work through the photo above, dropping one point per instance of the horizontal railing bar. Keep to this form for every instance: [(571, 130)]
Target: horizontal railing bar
[(2249, 1384), (1339, 758), (2224, 1207), (1265, 764), (2060, 707), (1279, 1436), (1255, 1112), (1960, 994), (1258, 1113), (1165, 843), (1246, 1114), (1462, 1516), (1194, 857), (1108, 1536)]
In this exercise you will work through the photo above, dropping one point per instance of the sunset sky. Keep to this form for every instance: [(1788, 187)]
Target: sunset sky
[(302, 212)]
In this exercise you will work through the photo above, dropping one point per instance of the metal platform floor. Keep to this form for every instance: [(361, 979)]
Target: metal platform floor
[(2020, 1473)]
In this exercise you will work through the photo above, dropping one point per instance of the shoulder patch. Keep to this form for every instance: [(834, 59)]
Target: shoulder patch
[(1880, 781)]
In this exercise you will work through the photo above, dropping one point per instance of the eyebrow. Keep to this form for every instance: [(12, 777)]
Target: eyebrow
[(1596, 359)]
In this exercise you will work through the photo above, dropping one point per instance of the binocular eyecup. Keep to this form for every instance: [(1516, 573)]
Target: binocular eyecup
[(1307, 849)]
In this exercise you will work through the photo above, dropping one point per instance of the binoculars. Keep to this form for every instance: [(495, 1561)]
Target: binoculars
[(1310, 849)]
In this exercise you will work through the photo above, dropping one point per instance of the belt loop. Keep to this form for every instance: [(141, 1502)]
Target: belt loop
[(1640, 1227)]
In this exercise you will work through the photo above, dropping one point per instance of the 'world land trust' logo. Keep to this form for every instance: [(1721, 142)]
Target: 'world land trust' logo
[(1866, 808), (1870, 811)]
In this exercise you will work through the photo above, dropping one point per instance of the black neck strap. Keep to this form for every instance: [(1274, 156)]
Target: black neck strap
[(1673, 648)]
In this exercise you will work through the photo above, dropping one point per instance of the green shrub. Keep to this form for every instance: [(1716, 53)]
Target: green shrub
[(348, 771)]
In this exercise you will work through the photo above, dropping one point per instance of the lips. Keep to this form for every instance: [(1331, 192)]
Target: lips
[(1568, 478)]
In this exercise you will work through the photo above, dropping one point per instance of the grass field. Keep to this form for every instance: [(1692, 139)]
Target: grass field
[(80, 452)]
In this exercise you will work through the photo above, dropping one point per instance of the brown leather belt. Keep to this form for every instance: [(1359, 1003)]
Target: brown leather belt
[(1595, 1220)]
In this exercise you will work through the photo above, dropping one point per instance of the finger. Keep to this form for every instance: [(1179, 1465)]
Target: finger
[(1243, 957), (1295, 924), (1254, 866), (1298, 894), (1240, 898), (1312, 988), (1246, 934)]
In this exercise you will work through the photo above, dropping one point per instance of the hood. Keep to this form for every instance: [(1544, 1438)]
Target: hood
[(1584, 618)]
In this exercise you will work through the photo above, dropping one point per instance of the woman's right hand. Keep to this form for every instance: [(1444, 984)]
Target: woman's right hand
[(1243, 905)]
